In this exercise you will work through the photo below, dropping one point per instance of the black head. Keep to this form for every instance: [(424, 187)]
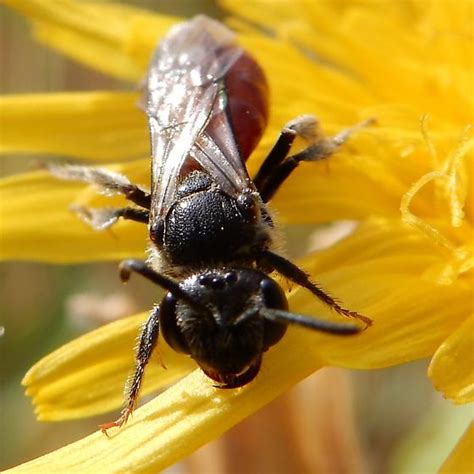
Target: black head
[(226, 333)]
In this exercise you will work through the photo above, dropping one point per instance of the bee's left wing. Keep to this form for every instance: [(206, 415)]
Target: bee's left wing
[(186, 107)]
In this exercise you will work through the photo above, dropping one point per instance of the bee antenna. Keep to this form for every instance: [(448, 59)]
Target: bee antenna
[(280, 316), (126, 267), (247, 314)]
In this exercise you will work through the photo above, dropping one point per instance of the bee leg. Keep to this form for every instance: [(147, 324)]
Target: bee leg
[(320, 148), (295, 274), (302, 126), (148, 340), (108, 182), (101, 219)]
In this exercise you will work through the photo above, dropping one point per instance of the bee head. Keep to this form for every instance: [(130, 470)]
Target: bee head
[(226, 333)]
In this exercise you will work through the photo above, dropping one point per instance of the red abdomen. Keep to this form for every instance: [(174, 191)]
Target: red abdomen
[(247, 103)]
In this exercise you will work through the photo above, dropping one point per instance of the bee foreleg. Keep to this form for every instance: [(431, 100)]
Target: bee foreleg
[(275, 170), (148, 340), (295, 274), (108, 182)]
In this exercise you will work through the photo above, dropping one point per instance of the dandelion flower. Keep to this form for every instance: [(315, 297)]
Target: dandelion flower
[(407, 182)]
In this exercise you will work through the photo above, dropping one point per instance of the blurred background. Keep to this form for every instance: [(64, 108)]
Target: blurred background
[(336, 421)]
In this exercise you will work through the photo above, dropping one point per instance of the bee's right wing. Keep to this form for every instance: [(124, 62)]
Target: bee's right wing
[(182, 95)]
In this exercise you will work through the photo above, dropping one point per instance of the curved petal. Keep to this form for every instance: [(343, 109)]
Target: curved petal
[(78, 30), (36, 224), (98, 364), (461, 461), (91, 125), (452, 367), (174, 424), (392, 274)]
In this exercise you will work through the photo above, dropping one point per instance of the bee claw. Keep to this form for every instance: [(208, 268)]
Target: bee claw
[(115, 424)]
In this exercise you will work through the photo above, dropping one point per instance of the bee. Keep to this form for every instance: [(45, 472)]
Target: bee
[(211, 234)]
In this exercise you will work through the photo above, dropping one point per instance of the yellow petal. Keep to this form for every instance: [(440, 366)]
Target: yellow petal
[(92, 125), (358, 38), (389, 273), (36, 224), (452, 366), (306, 87), (96, 34), (87, 376), (189, 414), (461, 460)]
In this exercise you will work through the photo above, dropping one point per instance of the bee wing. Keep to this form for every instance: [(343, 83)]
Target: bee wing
[(184, 96)]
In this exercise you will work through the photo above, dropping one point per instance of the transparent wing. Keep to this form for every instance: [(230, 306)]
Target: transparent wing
[(185, 104)]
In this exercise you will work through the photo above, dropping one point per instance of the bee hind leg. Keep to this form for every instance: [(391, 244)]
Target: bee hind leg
[(108, 182), (148, 340), (304, 127), (279, 165)]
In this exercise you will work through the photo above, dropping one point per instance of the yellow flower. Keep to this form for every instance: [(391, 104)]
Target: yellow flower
[(407, 181)]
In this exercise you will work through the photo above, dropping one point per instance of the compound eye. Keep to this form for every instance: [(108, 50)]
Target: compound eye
[(157, 232), (273, 295), (169, 325)]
